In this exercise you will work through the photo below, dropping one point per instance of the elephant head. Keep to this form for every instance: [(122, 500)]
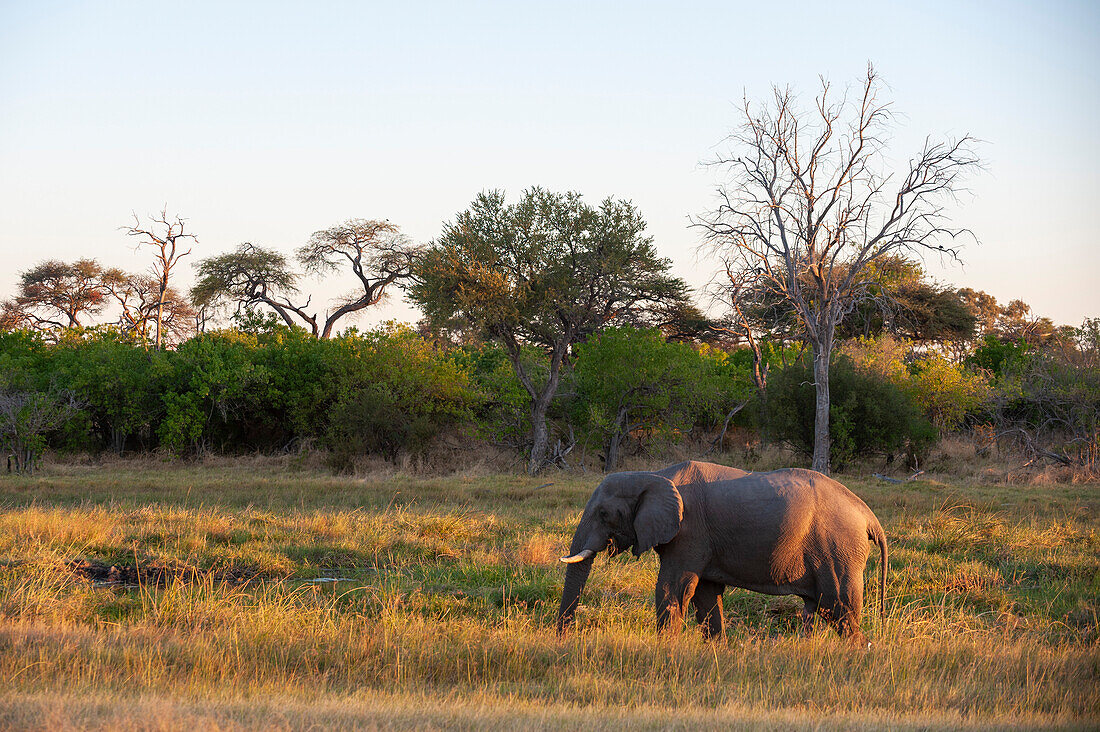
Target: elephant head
[(632, 510)]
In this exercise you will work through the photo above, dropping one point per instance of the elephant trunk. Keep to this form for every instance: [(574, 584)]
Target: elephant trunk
[(575, 578), (587, 542)]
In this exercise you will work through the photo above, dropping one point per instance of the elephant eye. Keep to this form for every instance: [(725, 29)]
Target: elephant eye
[(602, 513)]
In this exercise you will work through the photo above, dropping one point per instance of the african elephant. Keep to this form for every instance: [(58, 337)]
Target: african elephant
[(785, 532)]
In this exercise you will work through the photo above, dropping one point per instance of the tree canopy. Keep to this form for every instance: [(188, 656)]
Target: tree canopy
[(376, 253), (548, 270)]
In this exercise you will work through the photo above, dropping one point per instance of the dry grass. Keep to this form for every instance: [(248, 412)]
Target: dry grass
[(442, 612)]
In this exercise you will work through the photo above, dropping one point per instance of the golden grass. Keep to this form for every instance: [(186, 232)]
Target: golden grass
[(442, 612)]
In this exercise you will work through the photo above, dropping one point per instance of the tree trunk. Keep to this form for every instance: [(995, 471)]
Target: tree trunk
[(541, 403), (540, 431), (118, 440), (611, 457), (821, 410), (160, 307)]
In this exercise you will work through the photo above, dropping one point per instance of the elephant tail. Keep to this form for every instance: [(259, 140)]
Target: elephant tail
[(878, 536)]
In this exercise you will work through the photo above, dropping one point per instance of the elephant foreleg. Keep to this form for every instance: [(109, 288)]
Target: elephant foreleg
[(708, 607), (674, 592)]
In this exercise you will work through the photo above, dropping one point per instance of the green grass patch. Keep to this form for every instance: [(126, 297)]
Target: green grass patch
[(248, 581)]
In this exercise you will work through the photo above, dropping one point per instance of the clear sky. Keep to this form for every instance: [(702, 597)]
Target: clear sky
[(266, 121)]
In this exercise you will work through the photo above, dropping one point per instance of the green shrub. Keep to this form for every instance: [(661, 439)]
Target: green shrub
[(502, 408), (997, 356), (628, 380), (119, 382), (218, 394), (868, 415), (394, 392), (945, 392)]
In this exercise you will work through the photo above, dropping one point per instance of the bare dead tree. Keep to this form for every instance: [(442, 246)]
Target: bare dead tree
[(739, 323), (167, 237), (809, 204), (377, 253), (140, 301)]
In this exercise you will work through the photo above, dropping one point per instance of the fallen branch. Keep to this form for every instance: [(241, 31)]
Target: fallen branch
[(888, 479)]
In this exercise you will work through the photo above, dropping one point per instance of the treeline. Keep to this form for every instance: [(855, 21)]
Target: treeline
[(550, 326), (267, 387)]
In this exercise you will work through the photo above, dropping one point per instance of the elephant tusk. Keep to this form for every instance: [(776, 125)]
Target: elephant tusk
[(585, 554)]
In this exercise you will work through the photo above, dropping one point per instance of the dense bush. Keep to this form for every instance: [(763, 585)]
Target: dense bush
[(267, 387), (233, 390), (945, 392), (394, 392), (1045, 396), (995, 355), (120, 384), (629, 380), (502, 409), (868, 415), (1053, 400)]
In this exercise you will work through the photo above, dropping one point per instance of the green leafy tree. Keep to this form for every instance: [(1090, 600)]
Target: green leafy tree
[(628, 379), (548, 271)]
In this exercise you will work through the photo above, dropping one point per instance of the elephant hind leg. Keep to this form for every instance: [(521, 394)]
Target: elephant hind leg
[(841, 605), (809, 616), (708, 608)]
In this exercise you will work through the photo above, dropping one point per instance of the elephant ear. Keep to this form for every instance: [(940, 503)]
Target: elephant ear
[(660, 511)]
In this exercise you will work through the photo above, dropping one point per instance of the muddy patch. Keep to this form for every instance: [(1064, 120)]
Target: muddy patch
[(153, 573)]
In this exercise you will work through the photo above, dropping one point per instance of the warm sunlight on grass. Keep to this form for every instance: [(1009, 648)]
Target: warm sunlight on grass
[(249, 594)]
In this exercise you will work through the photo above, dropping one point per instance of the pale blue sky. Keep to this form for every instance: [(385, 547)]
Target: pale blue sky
[(266, 121)]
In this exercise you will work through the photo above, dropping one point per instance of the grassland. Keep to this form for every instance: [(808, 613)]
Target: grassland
[(265, 594)]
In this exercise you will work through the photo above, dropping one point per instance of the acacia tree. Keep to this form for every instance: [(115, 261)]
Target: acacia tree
[(808, 204), (12, 316), (166, 237), (547, 271), (250, 275), (55, 294), (376, 252)]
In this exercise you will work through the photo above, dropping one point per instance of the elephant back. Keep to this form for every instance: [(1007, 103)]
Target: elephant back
[(694, 472)]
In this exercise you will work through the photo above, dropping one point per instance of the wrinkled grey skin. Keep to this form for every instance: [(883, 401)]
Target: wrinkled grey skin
[(785, 532)]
